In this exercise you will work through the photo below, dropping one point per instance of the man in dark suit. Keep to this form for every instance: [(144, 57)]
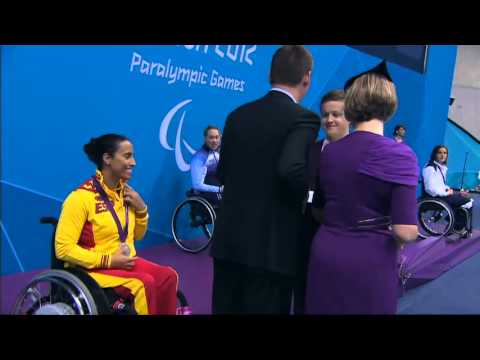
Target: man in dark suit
[(256, 245)]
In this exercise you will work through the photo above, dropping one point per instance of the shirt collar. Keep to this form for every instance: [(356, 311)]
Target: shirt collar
[(208, 150), (325, 143), (443, 167), (285, 92)]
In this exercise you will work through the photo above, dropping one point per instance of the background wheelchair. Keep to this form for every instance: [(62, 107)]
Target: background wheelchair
[(437, 218), (193, 222), (71, 291)]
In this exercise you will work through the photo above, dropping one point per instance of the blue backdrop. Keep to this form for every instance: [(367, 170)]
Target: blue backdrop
[(54, 98)]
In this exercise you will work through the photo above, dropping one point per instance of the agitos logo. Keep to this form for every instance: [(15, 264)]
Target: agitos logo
[(179, 141)]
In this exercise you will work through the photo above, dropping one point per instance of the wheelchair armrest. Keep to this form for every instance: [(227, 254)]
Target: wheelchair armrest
[(49, 220), (55, 263), (191, 193)]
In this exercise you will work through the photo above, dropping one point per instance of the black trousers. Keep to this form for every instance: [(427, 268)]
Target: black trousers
[(461, 220), (308, 231), (455, 200), (241, 289), (213, 198)]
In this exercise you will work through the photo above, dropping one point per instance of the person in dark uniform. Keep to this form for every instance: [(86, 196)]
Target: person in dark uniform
[(336, 127)]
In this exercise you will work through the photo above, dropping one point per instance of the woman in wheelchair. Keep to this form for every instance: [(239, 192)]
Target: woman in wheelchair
[(99, 223), (204, 168), (434, 186), (434, 180), (193, 219)]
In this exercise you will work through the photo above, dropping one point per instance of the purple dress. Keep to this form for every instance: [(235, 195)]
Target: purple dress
[(352, 268)]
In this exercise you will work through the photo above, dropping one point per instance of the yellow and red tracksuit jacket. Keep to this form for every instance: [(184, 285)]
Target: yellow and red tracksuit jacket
[(87, 234)]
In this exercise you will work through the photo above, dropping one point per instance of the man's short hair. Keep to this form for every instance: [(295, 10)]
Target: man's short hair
[(335, 95), (210, 127), (398, 127), (370, 96), (289, 65)]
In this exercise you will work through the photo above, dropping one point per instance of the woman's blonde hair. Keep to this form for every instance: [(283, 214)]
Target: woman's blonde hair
[(370, 96)]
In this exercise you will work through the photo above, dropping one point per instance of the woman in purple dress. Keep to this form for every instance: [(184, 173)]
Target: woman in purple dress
[(368, 182)]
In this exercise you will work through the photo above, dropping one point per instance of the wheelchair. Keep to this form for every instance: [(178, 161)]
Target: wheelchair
[(437, 218), (193, 222), (72, 291)]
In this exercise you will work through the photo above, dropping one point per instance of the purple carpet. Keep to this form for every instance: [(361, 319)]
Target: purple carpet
[(428, 259), (195, 271), (419, 263)]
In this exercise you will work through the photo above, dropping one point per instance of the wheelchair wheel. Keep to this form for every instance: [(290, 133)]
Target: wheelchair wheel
[(435, 218), (56, 292), (192, 224)]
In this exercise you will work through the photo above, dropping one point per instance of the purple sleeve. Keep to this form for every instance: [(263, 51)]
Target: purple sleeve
[(404, 205)]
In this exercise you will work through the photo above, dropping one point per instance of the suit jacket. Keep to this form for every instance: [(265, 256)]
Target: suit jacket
[(312, 164), (263, 167)]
